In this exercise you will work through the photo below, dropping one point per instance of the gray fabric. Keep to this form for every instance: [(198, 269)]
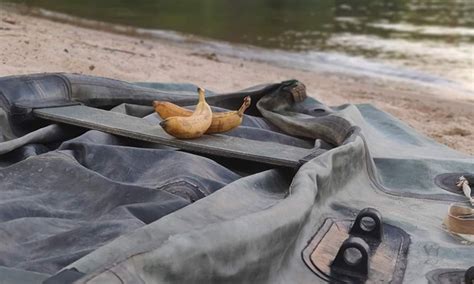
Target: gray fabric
[(110, 205), (280, 110), (261, 240), (10, 275), (86, 193), (43, 135)]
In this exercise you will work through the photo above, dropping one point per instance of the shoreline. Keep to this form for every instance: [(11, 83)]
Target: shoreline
[(34, 45), (313, 61)]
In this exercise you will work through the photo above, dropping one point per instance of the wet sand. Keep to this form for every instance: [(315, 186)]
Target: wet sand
[(34, 45)]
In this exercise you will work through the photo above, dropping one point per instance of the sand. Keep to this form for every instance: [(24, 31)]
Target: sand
[(34, 45)]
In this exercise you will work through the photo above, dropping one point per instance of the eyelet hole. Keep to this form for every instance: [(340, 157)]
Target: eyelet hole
[(352, 256), (367, 224)]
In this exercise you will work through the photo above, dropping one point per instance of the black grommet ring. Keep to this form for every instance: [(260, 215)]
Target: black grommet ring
[(469, 276), (359, 229), (343, 265)]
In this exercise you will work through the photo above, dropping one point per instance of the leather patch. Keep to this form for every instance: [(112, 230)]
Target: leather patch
[(387, 259), (440, 276), (298, 91)]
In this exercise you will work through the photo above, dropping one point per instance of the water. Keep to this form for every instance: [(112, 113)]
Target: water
[(435, 37)]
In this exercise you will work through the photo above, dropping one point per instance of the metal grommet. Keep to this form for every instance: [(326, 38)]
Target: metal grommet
[(343, 264), (469, 276), (375, 231)]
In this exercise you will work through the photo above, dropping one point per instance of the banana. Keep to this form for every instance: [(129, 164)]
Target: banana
[(193, 126), (225, 121), (167, 109), (221, 121)]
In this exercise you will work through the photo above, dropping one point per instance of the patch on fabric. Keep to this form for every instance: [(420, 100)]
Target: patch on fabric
[(439, 276), (460, 220), (387, 259), (447, 181), (297, 90)]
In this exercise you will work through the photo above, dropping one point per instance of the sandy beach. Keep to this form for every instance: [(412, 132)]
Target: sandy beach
[(34, 45)]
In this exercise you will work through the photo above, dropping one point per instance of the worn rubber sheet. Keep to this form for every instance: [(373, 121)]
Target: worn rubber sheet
[(119, 210)]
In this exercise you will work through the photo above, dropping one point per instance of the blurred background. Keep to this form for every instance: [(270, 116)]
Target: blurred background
[(435, 37)]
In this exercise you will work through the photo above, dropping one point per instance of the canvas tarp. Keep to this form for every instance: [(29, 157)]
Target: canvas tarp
[(120, 210)]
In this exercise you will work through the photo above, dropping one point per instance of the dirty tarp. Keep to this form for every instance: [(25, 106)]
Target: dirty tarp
[(118, 210)]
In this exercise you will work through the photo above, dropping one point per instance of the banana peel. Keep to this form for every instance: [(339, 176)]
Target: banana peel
[(191, 128)]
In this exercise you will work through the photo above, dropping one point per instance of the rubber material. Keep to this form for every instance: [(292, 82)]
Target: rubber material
[(122, 210)]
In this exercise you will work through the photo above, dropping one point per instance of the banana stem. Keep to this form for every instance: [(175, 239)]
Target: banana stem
[(201, 93), (244, 106)]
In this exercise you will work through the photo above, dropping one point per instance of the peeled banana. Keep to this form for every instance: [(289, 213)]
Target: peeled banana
[(221, 121), (192, 126)]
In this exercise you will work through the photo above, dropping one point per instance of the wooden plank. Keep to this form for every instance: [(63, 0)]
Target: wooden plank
[(137, 128)]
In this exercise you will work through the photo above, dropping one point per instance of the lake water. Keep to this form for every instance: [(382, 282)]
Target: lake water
[(434, 37)]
